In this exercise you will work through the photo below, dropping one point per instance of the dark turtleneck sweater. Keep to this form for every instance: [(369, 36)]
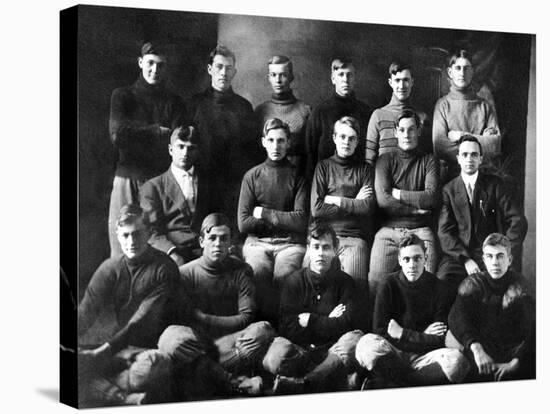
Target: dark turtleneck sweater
[(343, 177), (283, 194), (137, 113), (294, 112), (460, 110), (228, 133), (497, 313), (224, 293), (320, 127), (417, 176), (307, 291), (139, 290), (381, 130), (414, 306)]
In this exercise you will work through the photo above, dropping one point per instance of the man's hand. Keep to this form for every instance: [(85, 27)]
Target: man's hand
[(250, 386), (364, 192), (396, 193), (394, 329), (337, 311), (332, 200), (303, 319), (257, 212), (485, 364), (503, 371), (177, 258), (436, 328), (471, 267), (454, 135)]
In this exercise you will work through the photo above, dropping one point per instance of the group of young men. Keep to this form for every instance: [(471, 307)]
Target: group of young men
[(335, 281)]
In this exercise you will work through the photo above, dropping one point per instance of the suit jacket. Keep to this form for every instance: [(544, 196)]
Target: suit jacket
[(462, 229), (172, 223)]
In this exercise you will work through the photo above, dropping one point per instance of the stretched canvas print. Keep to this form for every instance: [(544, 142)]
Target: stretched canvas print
[(260, 206)]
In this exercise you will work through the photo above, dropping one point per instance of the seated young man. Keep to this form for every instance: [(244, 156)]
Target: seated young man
[(216, 336), (409, 325), (342, 193), (178, 199), (138, 284), (493, 317), (407, 192), (320, 316), (273, 215)]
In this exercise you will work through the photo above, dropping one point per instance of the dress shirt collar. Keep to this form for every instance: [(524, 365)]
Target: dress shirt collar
[(469, 179), (179, 172)]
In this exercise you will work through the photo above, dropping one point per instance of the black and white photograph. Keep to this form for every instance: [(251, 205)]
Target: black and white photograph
[(266, 209)]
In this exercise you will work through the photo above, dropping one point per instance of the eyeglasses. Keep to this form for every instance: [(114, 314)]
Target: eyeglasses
[(416, 258)]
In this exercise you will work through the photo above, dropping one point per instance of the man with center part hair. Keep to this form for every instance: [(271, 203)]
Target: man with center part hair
[(273, 214), (320, 317), (407, 191), (342, 193), (381, 136), (493, 317), (409, 326), (216, 337), (178, 200), (228, 131), (286, 107), (140, 123), (320, 126)]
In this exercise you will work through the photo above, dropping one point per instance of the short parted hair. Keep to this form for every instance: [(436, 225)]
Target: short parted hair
[(398, 66), (153, 48), (459, 53), (468, 138), (223, 51), (319, 228), (282, 59), (129, 214), (340, 63), (497, 239), (186, 134), (407, 113), (275, 123), (349, 121), (214, 220), (411, 240)]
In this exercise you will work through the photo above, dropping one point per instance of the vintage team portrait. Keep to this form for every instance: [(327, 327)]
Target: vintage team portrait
[(278, 206)]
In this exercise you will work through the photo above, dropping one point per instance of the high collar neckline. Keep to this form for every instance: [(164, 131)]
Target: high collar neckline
[(276, 164), (466, 93), (284, 98), (341, 160)]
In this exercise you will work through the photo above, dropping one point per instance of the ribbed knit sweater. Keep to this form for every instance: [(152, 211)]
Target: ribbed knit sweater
[(381, 136), (414, 306), (460, 110), (343, 177), (417, 176), (320, 127), (283, 196)]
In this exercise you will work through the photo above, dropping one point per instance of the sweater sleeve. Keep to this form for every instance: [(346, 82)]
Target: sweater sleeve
[(292, 221), (248, 224), (443, 147), (363, 207), (318, 192), (383, 186), (151, 204), (463, 317), (292, 304), (428, 198), (373, 137)]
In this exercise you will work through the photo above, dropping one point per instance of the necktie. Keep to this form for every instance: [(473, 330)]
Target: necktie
[(470, 191), (189, 190)]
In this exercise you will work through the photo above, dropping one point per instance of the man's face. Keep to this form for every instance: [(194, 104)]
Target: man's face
[(133, 238), (407, 134), (215, 244), (461, 73), (184, 154), (152, 68), (222, 70), (401, 83), (497, 260), (279, 77), (345, 139), (343, 80), (469, 157), (276, 144), (412, 260), (321, 253)]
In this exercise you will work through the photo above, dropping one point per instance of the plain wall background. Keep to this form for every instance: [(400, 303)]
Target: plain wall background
[(110, 39)]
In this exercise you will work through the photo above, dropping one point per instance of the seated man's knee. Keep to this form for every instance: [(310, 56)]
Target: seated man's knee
[(454, 365), (344, 348), (151, 368), (284, 357), (370, 348), (180, 343), (262, 332)]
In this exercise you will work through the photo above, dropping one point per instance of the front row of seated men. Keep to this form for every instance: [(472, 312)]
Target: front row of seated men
[(193, 333)]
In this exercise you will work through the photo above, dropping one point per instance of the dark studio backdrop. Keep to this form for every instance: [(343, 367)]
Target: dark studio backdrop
[(109, 40)]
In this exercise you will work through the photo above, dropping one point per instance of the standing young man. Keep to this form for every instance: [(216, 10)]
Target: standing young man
[(141, 121)]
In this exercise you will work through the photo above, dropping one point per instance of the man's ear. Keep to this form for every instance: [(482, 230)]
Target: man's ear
[(209, 69), (449, 72), (201, 241), (140, 62), (389, 82)]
